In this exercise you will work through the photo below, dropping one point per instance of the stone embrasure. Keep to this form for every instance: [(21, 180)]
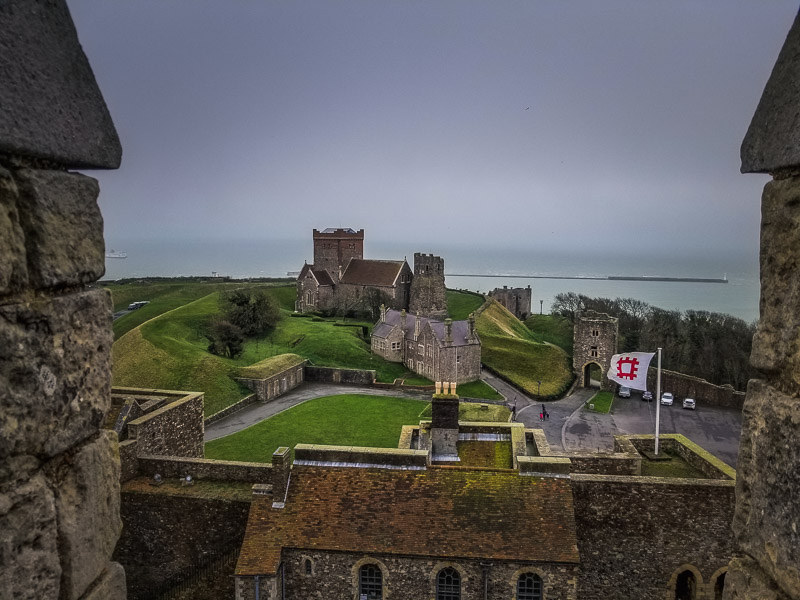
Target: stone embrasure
[(54, 372)]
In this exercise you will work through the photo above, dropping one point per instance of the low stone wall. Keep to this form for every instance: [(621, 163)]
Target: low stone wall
[(202, 468), (129, 463), (273, 386), (335, 375), (687, 386), (352, 455), (624, 461), (166, 535), (636, 534), (173, 430), (244, 402)]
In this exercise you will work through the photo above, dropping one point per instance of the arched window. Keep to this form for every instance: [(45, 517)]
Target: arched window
[(686, 586), (370, 582), (448, 584), (307, 566), (529, 587)]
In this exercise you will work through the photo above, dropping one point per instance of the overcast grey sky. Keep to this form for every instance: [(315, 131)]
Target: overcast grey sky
[(547, 124)]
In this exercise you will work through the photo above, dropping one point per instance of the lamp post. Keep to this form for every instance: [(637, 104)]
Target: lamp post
[(541, 306), (538, 388)]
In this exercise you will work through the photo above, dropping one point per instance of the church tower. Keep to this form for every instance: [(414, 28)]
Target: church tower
[(428, 294)]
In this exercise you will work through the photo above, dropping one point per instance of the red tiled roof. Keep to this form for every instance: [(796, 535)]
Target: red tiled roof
[(439, 512), (361, 271)]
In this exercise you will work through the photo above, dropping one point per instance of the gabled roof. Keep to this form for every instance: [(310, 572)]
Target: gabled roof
[(439, 512), (460, 331), (321, 275), (361, 271)]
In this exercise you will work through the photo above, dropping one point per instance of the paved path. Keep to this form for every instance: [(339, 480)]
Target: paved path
[(308, 391)]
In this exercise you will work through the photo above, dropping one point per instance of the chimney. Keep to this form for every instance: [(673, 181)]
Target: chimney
[(281, 473), (471, 326), (403, 320), (416, 327), (383, 313), (448, 331)]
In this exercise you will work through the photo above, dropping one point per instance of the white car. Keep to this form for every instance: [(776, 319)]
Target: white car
[(667, 399), (624, 392), (689, 403)]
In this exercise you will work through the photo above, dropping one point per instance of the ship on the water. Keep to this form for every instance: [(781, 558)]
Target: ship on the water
[(115, 254)]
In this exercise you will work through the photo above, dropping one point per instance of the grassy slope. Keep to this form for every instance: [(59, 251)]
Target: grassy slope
[(553, 329), (511, 350), (170, 351), (165, 296), (460, 304), (349, 419)]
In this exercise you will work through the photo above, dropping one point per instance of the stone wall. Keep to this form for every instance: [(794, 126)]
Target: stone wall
[(175, 430), (236, 406), (428, 295), (336, 375), (166, 534), (687, 386), (767, 521), (203, 468), (335, 575), (271, 387), (516, 300), (59, 473), (594, 341), (637, 534)]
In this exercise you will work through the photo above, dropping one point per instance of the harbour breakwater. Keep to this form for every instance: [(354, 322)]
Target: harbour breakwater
[(599, 278)]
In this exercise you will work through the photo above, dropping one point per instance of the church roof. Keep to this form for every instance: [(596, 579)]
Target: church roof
[(321, 275), (440, 512), (361, 271)]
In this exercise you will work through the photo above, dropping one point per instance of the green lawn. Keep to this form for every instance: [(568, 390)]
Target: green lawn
[(511, 350), (478, 389), (348, 419), (170, 352), (461, 304), (554, 329), (169, 294), (602, 402), (674, 467)]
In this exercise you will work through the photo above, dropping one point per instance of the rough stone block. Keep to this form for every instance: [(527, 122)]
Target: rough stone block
[(29, 563), (55, 372), (51, 105), (109, 586), (772, 141), (746, 581), (87, 501), (13, 273), (776, 345), (766, 522), (63, 227)]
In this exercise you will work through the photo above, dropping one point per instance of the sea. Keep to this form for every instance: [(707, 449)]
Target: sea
[(484, 267)]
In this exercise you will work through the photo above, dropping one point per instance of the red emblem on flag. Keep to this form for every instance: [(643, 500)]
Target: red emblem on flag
[(627, 366)]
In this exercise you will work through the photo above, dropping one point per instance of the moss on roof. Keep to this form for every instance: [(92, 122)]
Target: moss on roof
[(270, 366)]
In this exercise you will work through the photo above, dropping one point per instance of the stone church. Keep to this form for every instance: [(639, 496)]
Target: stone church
[(341, 279)]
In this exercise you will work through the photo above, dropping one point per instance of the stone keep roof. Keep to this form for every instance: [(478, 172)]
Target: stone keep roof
[(360, 271), (460, 331), (439, 512)]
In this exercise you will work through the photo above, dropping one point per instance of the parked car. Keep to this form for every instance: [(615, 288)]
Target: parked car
[(647, 396), (689, 403), (667, 399), (624, 392)]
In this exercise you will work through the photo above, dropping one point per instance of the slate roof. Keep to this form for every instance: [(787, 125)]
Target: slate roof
[(321, 275), (361, 271), (440, 512), (460, 330)]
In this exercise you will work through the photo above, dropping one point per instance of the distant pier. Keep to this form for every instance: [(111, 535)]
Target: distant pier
[(597, 278)]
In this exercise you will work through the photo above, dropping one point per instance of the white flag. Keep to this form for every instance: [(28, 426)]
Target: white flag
[(630, 369)]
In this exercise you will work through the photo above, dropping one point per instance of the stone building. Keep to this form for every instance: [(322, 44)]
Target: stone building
[(516, 300), (405, 524), (439, 350), (594, 343), (59, 471), (341, 279)]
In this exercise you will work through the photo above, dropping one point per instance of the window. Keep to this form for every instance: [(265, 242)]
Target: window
[(307, 567), (594, 351), (421, 349), (458, 358), (529, 587), (448, 584), (595, 332), (370, 582), (395, 345)]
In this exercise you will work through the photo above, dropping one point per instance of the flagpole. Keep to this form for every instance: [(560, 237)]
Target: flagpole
[(658, 397)]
